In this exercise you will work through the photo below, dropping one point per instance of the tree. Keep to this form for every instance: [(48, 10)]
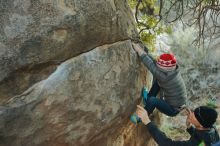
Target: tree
[(152, 16)]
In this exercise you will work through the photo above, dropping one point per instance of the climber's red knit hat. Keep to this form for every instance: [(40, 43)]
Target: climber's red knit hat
[(167, 62)]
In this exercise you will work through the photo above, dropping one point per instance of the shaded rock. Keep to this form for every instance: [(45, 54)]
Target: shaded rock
[(39, 35), (86, 101)]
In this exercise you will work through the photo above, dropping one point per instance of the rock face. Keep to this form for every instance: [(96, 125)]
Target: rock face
[(68, 74), (86, 101), (36, 36)]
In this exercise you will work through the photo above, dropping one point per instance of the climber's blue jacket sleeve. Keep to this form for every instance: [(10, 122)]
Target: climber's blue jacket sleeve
[(162, 140)]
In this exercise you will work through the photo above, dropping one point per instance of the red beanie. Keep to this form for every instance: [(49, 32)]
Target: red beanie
[(167, 62)]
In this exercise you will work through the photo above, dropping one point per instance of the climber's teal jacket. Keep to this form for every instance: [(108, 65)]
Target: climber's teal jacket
[(171, 83), (197, 137)]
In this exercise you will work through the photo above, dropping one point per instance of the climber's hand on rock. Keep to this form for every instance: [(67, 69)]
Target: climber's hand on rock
[(142, 113), (138, 49)]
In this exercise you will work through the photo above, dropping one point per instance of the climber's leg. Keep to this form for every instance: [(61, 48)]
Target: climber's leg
[(161, 105), (154, 89)]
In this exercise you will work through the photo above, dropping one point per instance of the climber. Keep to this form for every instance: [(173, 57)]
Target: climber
[(168, 81), (199, 125)]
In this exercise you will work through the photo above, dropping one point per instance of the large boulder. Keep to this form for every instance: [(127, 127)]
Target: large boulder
[(68, 74), (86, 101), (36, 36)]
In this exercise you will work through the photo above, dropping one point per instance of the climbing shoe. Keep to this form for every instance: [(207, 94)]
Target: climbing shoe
[(144, 94), (135, 119)]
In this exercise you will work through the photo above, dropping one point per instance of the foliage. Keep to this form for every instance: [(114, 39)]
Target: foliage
[(203, 14), (132, 3), (147, 21), (212, 103)]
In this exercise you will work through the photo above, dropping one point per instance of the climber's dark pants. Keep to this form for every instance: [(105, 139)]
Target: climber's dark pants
[(159, 103)]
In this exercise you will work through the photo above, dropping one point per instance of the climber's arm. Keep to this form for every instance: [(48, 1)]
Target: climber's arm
[(151, 65), (149, 62), (162, 140)]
